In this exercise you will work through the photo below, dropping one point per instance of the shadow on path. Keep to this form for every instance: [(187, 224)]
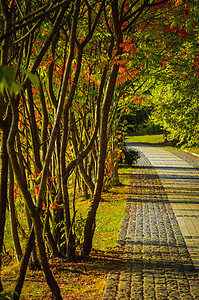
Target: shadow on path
[(156, 262)]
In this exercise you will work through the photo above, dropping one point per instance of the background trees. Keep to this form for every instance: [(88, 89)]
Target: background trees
[(171, 86), (175, 99), (68, 72)]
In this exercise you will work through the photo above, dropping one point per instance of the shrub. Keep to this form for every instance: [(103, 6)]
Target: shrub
[(130, 156)]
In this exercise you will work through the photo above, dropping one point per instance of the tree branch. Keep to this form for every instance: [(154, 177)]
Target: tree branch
[(37, 17)]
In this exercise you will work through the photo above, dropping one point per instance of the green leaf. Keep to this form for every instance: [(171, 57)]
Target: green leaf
[(188, 26), (33, 77), (7, 81)]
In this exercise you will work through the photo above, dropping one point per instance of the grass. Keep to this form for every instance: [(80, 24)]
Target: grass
[(111, 213), (8, 241), (82, 278), (151, 139), (85, 278)]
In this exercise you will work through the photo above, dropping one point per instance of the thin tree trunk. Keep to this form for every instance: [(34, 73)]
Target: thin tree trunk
[(24, 265), (34, 131), (34, 260), (44, 131), (108, 96), (13, 215), (44, 261), (64, 174), (35, 264), (5, 125), (90, 221), (51, 242), (27, 197), (55, 126), (3, 188)]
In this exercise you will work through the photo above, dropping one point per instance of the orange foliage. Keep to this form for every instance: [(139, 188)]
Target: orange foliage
[(128, 46)]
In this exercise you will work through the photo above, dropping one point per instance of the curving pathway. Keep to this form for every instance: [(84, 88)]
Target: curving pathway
[(160, 231), (181, 182)]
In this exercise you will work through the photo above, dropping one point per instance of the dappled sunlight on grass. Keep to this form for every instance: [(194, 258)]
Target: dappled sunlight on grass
[(111, 213), (152, 139), (82, 278)]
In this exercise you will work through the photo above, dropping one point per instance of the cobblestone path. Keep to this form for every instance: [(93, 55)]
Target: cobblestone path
[(157, 264)]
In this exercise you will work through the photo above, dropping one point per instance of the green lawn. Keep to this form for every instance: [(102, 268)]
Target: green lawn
[(110, 212), (83, 278), (152, 139)]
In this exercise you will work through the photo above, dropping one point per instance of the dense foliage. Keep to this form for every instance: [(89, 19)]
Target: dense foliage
[(68, 72)]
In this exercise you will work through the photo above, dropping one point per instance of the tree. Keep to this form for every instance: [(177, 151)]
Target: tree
[(12, 102), (173, 95), (67, 69)]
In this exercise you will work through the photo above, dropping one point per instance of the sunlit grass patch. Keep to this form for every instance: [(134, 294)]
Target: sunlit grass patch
[(85, 287), (108, 223), (110, 212), (82, 278), (152, 139), (35, 290)]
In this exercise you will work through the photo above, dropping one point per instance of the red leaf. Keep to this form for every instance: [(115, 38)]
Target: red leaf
[(164, 63)]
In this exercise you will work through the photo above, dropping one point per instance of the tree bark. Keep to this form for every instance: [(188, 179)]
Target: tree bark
[(108, 96), (67, 219), (24, 265), (28, 199), (90, 221), (51, 242), (3, 186), (34, 131), (13, 216), (5, 126)]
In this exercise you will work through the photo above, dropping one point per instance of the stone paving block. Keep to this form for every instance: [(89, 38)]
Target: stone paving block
[(159, 260)]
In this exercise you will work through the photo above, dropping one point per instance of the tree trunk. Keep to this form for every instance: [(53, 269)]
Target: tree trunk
[(13, 215), (5, 125), (51, 242), (3, 187), (90, 221), (34, 131), (44, 261), (35, 264), (28, 199), (24, 265), (108, 96)]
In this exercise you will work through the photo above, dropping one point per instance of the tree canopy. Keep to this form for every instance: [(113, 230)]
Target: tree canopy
[(68, 71)]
